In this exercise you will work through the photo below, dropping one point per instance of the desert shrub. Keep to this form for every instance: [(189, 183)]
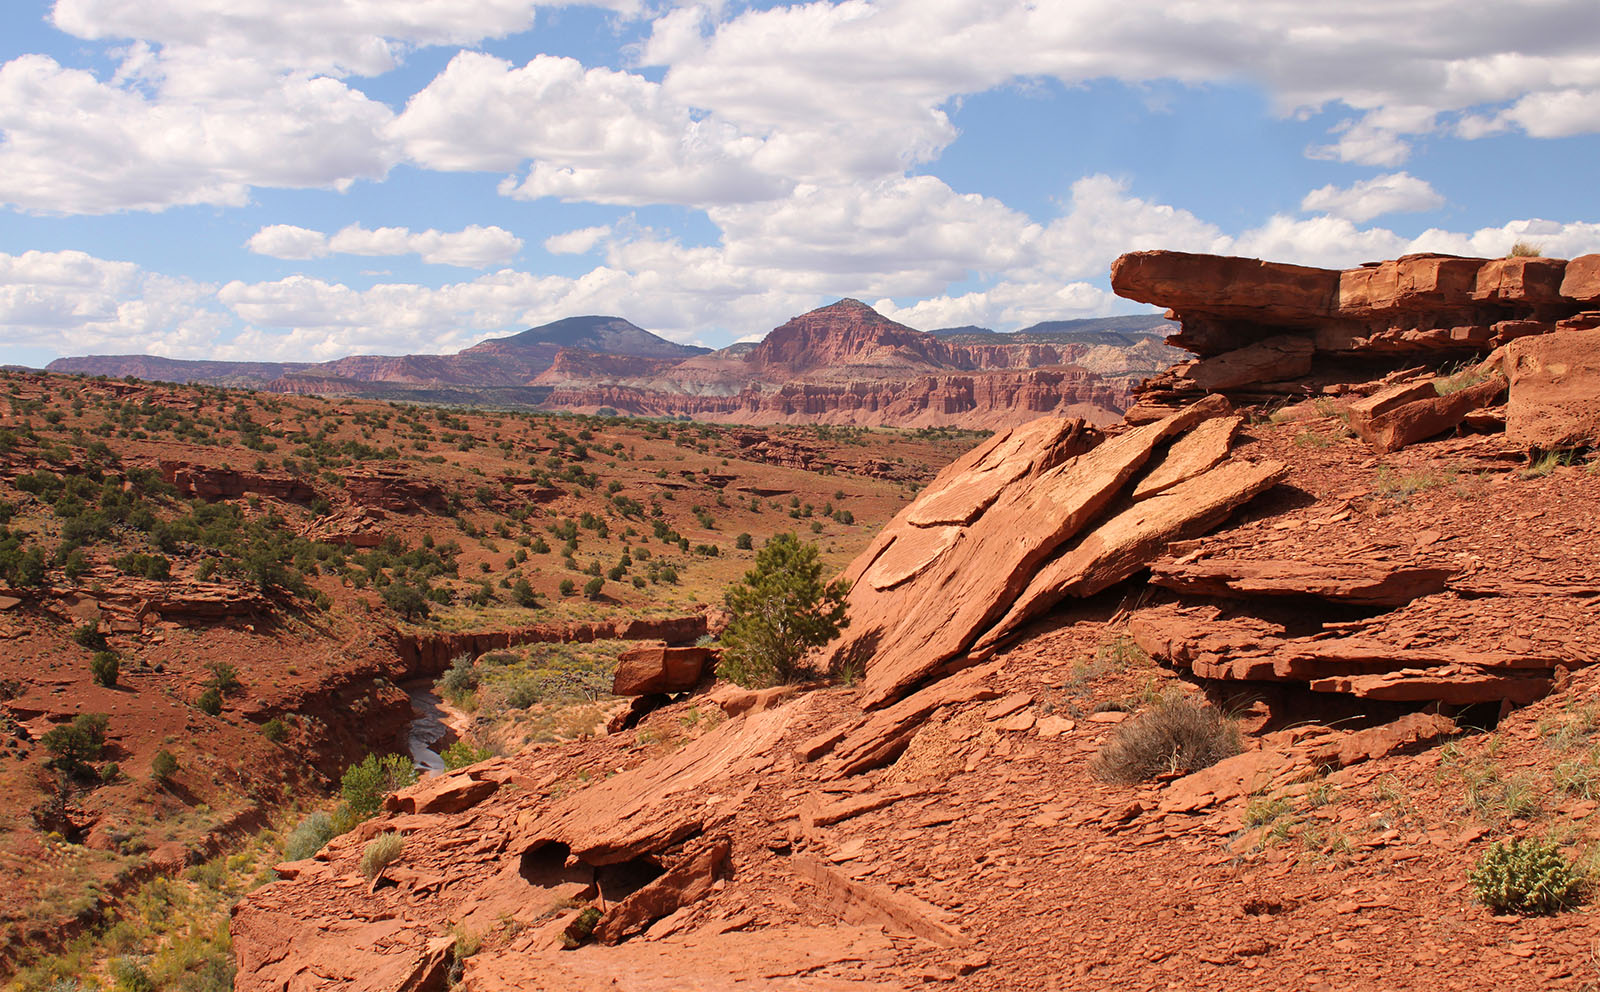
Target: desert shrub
[(1526, 876), (128, 976), (1177, 736), (224, 676), (275, 730), (75, 744), (89, 635), (567, 587), (308, 837), (406, 599), (1524, 249), (104, 667), (523, 594), (163, 766), (460, 679), (460, 754), (743, 542), (364, 785), (381, 852), (591, 589), (781, 609), (210, 702)]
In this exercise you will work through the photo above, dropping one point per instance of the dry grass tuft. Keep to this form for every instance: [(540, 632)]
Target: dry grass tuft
[(1177, 736)]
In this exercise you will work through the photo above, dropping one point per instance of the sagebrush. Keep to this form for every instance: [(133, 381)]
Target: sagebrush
[(1176, 736)]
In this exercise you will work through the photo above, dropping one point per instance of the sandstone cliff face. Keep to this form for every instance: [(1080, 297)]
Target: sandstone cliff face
[(979, 400)]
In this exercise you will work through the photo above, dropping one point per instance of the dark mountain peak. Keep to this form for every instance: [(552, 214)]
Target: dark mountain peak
[(591, 332)]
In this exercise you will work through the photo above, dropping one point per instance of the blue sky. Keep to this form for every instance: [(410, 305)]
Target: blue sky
[(304, 179)]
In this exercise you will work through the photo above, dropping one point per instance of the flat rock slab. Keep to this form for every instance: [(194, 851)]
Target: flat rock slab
[(1428, 417), (772, 959), (862, 902), (1196, 453), (1231, 778), (1373, 583), (953, 562), (1128, 541)]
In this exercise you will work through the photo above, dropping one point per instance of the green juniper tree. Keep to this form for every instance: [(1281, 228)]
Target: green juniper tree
[(781, 609)]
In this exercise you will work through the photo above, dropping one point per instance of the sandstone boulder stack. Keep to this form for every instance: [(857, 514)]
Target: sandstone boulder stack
[(1271, 333)]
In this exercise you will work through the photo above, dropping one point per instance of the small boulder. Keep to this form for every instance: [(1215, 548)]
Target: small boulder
[(657, 668), (1555, 390)]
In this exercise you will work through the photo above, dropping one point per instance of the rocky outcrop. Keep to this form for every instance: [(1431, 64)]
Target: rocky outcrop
[(212, 483), (397, 491), (432, 653), (1036, 515), (1265, 329)]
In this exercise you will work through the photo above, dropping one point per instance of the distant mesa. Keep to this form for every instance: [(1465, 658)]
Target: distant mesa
[(844, 363)]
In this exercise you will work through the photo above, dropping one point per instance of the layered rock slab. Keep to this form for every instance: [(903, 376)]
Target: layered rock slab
[(996, 515)]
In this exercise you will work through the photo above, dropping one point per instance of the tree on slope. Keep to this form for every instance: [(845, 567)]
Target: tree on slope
[(781, 610)]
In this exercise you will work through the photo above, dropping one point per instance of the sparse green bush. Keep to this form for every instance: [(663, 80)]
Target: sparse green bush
[(75, 744), (781, 609), (1526, 876), (275, 730), (591, 589), (364, 785), (460, 679), (89, 635), (743, 542), (104, 667), (1177, 736), (381, 852), (128, 976), (163, 766), (567, 587), (210, 702), (309, 836), (460, 754)]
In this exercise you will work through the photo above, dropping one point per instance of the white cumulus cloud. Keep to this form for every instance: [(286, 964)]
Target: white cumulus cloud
[(1394, 192), (475, 246), (577, 242)]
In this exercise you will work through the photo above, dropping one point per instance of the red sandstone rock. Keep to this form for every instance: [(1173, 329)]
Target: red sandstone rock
[(1274, 359), (1403, 734), (1581, 280), (1522, 279), (685, 883), (1127, 542), (1423, 418), (1371, 583), (859, 902), (211, 483), (649, 669), (1555, 390), (1191, 455), (450, 793), (1223, 284), (968, 546)]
